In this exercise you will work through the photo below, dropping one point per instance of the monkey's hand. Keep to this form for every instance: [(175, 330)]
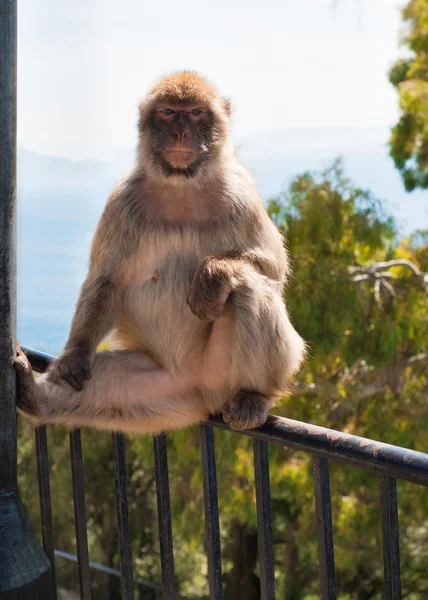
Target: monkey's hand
[(210, 288), (73, 366)]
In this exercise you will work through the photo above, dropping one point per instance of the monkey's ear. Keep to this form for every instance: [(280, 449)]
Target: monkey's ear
[(227, 105)]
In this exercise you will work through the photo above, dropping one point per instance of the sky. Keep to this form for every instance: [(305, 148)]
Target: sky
[(84, 64)]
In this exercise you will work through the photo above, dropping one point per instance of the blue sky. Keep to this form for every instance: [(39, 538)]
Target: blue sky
[(83, 64)]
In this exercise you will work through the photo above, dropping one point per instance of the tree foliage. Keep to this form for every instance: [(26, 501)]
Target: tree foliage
[(409, 137)]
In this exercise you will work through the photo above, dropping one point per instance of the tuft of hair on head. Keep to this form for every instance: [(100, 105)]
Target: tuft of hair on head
[(186, 87)]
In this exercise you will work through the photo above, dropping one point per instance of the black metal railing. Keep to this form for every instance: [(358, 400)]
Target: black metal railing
[(390, 462), (24, 568)]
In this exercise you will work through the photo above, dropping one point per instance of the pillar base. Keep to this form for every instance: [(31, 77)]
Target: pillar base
[(25, 571)]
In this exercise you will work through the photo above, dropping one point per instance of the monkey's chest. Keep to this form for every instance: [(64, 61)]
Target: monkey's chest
[(157, 288), (164, 265), (169, 278), (156, 316), (157, 278), (156, 281)]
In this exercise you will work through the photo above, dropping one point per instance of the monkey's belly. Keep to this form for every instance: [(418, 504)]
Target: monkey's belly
[(157, 319)]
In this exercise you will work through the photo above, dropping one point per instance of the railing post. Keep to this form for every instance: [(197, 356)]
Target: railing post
[(24, 568)]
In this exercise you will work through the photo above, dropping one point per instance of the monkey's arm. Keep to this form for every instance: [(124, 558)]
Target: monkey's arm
[(263, 248), (266, 263), (95, 315), (218, 276), (262, 254), (269, 260), (96, 311)]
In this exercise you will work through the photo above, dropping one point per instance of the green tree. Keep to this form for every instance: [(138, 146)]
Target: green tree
[(409, 137), (359, 297)]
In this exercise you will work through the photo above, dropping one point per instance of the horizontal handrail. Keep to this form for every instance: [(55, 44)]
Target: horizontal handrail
[(387, 459), (109, 571)]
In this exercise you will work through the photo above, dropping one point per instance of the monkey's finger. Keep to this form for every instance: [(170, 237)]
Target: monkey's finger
[(82, 373), (19, 364), (20, 360), (73, 380)]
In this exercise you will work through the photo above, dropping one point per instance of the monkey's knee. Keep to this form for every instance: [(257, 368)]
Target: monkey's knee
[(267, 348), (247, 410)]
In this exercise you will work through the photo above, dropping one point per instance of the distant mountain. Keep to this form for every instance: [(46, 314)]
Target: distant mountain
[(60, 200), (274, 158), (38, 171)]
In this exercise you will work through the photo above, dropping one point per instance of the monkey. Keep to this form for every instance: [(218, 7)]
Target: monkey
[(185, 282)]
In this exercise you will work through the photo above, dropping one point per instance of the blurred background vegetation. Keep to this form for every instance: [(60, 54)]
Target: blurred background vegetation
[(359, 297)]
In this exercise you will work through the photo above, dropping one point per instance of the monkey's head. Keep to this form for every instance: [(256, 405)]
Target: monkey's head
[(184, 123)]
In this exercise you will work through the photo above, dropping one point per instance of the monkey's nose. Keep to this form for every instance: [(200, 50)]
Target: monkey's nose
[(179, 136)]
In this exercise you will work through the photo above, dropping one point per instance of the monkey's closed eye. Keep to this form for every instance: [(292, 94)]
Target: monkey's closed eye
[(196, 114), (168, 111)]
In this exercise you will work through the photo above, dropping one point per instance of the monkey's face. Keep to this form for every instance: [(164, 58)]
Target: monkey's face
[(181, 136)]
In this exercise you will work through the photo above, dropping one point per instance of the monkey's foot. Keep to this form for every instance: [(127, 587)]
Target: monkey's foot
[(27, 391), (247, 410)]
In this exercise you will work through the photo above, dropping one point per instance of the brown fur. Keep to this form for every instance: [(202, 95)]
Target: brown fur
[(187, 87), (186, 278)]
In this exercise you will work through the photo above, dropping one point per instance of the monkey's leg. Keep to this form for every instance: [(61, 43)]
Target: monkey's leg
[(127, 392), (254, 343)]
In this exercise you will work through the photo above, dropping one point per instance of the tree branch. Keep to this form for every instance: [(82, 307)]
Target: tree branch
[(418, 358), (398, 262), (378, 273)]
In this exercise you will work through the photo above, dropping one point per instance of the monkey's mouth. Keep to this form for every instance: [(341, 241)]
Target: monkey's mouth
[(180, 157)]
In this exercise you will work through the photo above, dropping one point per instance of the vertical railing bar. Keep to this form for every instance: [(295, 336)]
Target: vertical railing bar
[(390, 538), (121, 485), (212, 528), (324, 528), (80, 514), (264, 521), (25, 569), (164, 516), (45, 499)]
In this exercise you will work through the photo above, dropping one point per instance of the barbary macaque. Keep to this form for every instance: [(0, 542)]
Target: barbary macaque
[(186, 279)]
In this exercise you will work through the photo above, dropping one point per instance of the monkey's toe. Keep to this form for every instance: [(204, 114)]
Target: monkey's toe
[(247, 410), (26, 397), (21, 362)]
